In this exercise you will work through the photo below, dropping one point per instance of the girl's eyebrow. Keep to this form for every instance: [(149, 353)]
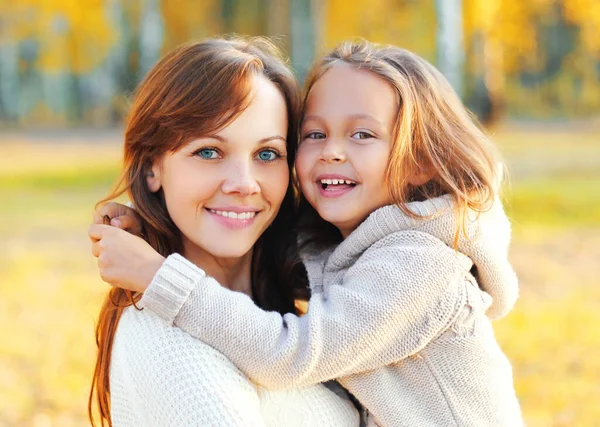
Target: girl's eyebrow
[(311, 117), (351, 117), (366, 117)]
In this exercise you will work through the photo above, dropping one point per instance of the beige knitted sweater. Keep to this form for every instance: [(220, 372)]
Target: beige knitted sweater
[(162, 377), (396, 315)]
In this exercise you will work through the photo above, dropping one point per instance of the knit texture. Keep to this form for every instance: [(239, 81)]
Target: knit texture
[(161, 376), (396, 316)]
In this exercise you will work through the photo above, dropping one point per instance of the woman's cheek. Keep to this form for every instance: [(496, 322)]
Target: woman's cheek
[(281, 180)]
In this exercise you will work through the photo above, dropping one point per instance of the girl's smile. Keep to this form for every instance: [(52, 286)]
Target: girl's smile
[(334, 185)]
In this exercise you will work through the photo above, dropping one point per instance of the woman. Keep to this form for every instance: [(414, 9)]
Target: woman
[(209, 145)]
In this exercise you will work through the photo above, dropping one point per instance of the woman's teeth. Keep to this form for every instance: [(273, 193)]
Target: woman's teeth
[(234, 215)]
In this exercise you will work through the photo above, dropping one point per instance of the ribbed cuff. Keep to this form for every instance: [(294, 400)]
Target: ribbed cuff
[(171, 287)]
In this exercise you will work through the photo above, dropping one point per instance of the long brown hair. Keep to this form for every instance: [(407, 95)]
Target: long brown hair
[(434, 132), (198, 89)]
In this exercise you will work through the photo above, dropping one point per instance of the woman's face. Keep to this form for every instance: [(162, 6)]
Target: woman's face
[(223, 190)]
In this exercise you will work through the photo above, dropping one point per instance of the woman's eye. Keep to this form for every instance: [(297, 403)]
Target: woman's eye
[(208, 153), (268, 155), (362, 135), (315, 135)]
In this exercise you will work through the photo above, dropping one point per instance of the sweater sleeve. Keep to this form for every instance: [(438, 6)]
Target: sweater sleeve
[(181, 381), (395, 299)]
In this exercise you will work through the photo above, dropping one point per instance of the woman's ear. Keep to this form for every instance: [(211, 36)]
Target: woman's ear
[(153, 178)]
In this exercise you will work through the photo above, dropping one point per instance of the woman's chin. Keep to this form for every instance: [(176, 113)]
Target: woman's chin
[(217, 249), (229, 252)]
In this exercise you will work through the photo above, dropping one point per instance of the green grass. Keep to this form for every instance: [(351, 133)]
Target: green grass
[(50, 292), (68, 179), (563, 200)]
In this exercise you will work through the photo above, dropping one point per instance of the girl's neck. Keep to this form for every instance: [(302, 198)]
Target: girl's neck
[(231, 273)]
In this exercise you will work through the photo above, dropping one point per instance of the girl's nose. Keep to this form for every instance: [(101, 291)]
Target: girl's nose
[(333, 152)]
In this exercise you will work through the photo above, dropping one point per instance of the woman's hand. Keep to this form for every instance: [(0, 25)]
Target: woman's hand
[(124, 260), (121, 216)]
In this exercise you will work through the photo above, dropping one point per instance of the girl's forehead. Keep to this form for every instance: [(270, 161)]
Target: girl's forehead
[(344, 89)]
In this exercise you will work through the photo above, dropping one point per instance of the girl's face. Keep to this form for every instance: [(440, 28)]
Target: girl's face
[(346, 140), (223, 190)]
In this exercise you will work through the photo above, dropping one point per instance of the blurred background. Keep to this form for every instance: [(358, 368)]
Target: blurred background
[(529, 69)]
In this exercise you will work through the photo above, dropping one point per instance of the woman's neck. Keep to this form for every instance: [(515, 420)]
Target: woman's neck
[(231, 273)]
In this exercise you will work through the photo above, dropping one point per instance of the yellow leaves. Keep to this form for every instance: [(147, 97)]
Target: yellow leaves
[(585, 14), (189, 19), (72, 35), (408, 24)]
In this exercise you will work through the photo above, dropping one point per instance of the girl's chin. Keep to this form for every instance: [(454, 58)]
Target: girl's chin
[(334, 217), (346, 224)]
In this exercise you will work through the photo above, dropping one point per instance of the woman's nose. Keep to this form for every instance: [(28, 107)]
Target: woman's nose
[(241, 180)]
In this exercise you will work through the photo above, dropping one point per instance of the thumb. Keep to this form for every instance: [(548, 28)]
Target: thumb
[(128, 223)]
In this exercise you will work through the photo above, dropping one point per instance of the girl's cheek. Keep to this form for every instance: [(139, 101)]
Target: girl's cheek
[(302, 171)]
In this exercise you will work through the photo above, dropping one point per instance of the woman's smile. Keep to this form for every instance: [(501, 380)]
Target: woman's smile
[(234, 217)]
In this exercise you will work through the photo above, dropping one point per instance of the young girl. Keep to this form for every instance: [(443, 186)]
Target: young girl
[(409, 269)]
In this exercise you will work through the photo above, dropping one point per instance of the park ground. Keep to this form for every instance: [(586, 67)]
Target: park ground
[(50, 292)]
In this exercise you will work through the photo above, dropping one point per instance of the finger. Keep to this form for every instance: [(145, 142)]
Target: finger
[(97, 231), (97, 218), (125, 222), (114, 210), (101, 271), (96, 250)]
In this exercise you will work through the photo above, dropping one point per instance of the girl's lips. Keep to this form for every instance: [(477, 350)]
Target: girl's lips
[(333, 191), (232, 223)]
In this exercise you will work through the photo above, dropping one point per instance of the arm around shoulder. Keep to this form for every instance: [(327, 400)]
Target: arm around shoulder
[(394, 300)]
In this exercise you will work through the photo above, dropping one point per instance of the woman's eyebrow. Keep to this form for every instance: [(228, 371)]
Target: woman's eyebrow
[(260, 141), (272, 138)]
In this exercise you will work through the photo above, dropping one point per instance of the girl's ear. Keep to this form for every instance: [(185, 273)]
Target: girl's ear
[(153, 178), (419, 177)]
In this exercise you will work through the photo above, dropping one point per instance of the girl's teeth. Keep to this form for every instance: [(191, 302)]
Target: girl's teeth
[(234, 215), (336, 181)]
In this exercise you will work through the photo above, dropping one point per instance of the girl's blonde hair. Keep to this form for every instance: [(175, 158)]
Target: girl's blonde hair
[(434, 133)]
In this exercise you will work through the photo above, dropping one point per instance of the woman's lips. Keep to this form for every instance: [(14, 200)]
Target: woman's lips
[(233, 218)]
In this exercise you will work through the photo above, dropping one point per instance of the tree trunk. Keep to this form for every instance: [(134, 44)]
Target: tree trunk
[(302, 37), (450, 51), (151, 35)]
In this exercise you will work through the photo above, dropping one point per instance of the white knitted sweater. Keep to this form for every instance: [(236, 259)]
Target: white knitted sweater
[(395, 315), (161, 376)]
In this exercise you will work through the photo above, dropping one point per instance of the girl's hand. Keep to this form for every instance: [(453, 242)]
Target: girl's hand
[(121, 216), (124, 260)]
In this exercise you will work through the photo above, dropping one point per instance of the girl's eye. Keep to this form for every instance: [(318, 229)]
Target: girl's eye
[(208, 153), (362, 135), (315, 135), (268, 155)]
